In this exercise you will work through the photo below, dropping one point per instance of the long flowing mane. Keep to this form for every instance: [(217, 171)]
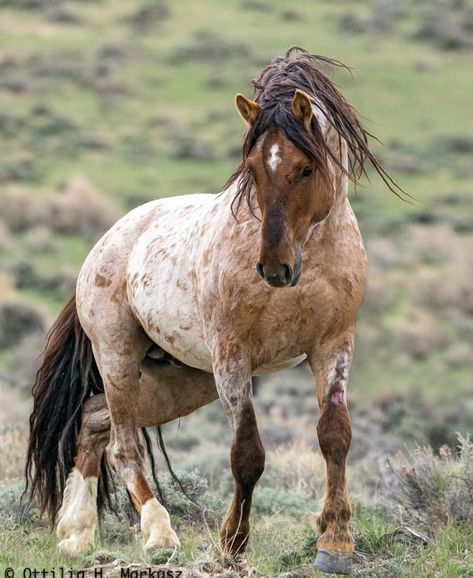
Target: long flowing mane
[(274, 90)]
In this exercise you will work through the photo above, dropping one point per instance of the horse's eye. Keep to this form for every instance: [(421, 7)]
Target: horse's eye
[(307, 171)]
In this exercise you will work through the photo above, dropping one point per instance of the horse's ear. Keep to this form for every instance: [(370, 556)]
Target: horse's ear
[(249, 109), (302, 107)]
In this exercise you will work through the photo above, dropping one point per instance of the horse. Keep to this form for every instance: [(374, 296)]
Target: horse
[(186, 298)]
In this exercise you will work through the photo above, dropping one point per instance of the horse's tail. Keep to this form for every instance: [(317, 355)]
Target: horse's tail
[(68, 375)]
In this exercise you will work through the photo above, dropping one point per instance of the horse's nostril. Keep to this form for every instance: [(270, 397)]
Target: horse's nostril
[(286, 273), (277, 275), (260, 269)]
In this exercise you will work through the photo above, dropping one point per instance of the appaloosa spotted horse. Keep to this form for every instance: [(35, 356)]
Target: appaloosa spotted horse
[(184, 299)]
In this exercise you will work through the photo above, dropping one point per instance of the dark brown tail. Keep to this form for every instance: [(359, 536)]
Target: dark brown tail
[(67, 377)]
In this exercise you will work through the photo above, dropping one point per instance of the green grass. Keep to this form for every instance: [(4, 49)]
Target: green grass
[(278, 546), (401, 102)]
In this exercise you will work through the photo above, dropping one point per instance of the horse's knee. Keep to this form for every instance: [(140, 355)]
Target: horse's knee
[(247, 454), (247, 466), (334, 432)]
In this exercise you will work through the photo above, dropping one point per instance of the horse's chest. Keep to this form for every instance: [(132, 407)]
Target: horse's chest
[(275, 327)]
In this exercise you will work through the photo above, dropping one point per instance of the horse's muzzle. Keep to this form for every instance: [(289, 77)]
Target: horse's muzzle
[(281, 275)]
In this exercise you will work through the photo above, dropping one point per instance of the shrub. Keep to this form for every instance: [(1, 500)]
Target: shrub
[(268, 501), (20, 210), (274, 435), (352, 23), (187, 146), (78, 208), (210, 461), (297, 467), (64, 15), (148, 15), (419, 334), (433, 489), (379, 295), (7, 285), (303, 554), (13, 439), (291, 15), (256, 5), (30, 4), (11, 507), (18, 320), (200, 503), (11, 123), (121, 526), (23, 363), (41, 240), (209, 47), (456, 144), (385, 14), (4, 236), (444, 28)]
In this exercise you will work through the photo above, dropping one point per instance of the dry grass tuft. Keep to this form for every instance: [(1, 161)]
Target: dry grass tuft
[(297, 467), (78, 208), (13, 432), (434, 489), (7, 286)]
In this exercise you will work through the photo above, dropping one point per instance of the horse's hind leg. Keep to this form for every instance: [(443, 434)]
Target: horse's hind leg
[(119, 348), (78, 514), (165, 393)]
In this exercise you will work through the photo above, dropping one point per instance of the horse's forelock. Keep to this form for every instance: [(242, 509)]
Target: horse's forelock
[(274, 90)]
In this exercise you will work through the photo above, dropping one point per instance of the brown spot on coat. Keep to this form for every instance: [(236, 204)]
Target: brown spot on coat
[(101, 281)]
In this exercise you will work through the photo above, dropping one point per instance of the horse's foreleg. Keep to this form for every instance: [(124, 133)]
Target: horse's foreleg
[(331, 366), (233, 380), (78, 515)]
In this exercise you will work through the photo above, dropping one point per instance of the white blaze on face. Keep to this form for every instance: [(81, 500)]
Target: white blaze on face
[(274, 158)]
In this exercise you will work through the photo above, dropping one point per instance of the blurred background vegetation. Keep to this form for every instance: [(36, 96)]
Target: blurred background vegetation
[(107, 104)]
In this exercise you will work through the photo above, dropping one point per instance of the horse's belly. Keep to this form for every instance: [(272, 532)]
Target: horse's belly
[(278, 365), (170, 320)]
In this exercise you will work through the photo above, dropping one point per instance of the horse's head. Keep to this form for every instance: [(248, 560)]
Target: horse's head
[(290, 191), (301, 132)]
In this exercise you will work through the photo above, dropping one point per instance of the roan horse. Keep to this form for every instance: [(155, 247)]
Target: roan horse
[(185, 298)]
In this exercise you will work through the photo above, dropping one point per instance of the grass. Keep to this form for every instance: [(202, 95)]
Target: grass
[(282, 544), (159, 87), (279, 547)]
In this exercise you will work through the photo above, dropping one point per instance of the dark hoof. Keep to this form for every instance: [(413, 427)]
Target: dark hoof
[(333, 562)]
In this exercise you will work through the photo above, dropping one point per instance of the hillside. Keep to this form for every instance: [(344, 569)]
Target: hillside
[(107, 104)]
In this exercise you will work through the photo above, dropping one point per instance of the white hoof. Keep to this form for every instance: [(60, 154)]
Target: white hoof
[(78, 515), (161, 538), (156, 527), (78, 542)]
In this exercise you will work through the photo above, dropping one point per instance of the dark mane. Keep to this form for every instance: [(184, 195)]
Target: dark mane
[(274, 90)]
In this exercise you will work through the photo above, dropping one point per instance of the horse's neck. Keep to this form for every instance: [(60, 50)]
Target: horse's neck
[(341, 222), (340, 179)]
